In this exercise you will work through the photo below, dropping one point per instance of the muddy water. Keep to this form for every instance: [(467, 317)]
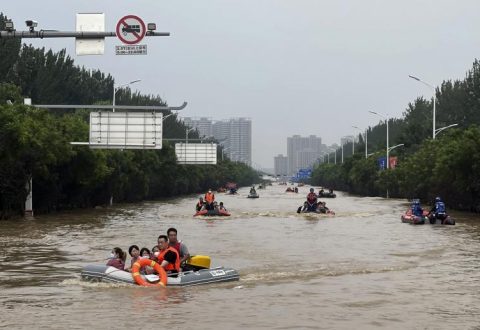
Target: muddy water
[(361, 269)]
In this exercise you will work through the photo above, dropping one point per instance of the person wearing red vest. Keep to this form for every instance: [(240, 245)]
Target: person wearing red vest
[(209, 199), (168, 257), (177, 245)]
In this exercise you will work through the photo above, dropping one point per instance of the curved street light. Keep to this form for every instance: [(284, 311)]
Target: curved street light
[(438, 130), (366, 150), (115, 89), (386, 119), (434, 132), (398, 145)]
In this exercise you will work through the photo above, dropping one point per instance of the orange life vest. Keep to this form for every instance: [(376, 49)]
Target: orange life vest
[(170, 267), (209, 197)]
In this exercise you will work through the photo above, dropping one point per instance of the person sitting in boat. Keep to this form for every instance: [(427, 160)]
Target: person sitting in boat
[(322, 207), (117, 258), (312, 200), (221, 207), (177, 245), (168, 257), (209, 199), (330, 191), (145, 254), (155, 252), (200, 204), (134, 253), (438, 210), (253, 191), (416, 208), (295, 190), (321, 192)]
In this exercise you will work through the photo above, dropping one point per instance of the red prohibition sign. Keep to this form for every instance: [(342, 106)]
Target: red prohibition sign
[(130, 29)]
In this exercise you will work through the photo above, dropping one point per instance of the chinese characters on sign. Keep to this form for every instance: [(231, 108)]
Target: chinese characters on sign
[(131, 50)]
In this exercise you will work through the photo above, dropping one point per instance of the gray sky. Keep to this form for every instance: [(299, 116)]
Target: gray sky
[(292, 66)]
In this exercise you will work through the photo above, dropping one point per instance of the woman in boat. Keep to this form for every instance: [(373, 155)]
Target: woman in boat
[(117, 258)]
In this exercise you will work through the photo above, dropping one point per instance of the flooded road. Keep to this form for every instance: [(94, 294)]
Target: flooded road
[(361, 269)]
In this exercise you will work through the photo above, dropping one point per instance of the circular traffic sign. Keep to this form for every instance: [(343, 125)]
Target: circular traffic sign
[(130, 29)]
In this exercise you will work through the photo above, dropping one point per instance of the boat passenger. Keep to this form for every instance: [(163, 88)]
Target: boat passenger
[(117, 258), (322, 207), (209, 199), (134, 253), (200, 205), (177, 245), (438, 209), (145, 253), (168, 257), (416, 208), (155, 252), (221, 207), (296, 190), (253, 191), (312, 200)]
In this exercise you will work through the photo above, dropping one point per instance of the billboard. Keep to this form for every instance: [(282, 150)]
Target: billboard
[(125, 130), (382, 162), (196, 153)]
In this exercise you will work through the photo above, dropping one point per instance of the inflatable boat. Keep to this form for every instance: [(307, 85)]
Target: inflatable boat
[(447, 221), (253, 195), (197, 276), (408, 217), (212, 213), (326, 195)]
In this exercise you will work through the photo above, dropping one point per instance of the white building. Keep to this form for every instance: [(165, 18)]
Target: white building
[(281, 165), (203, 125), (235, 135), (303, 152)]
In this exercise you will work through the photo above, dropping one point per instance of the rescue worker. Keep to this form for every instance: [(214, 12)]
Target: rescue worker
[(209, 199), (312, 200), (168, 257), (177, 245), (416, 208), (438, 210)]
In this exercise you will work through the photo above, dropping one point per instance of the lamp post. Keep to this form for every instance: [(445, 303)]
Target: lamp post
[(386, 119), (434, 132), (115, 89), (366, 150), (186, 133), (438, 130)]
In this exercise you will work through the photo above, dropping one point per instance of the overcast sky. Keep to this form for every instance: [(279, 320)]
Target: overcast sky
[(292, 66)]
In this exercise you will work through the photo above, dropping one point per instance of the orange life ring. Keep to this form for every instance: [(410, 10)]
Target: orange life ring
[(155, 265)]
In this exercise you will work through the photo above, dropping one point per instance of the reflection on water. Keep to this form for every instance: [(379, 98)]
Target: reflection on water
[(361, 269)]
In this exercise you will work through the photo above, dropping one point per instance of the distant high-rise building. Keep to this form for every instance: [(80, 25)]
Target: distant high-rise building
[(203, 125), (281, 165), (235, 135), (303, 152)]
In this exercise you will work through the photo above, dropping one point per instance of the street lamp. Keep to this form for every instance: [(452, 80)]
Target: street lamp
[(186, 133), (353, 144), (366, 150), (434, 101), (438, 130), (386, 119), (398, 145), (115, 89)]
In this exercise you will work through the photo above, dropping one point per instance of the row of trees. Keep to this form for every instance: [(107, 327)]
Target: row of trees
[(447, 166), (36, 143)]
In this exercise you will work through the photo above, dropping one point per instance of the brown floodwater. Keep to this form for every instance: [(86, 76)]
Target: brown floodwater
[(361, 269)]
